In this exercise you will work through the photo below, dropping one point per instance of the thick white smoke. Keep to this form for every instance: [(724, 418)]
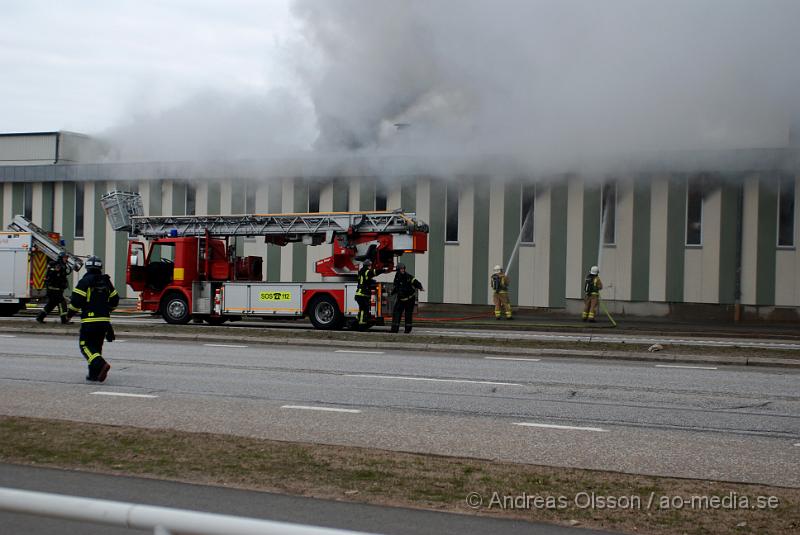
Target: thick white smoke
[(545, 83), (552, 81)]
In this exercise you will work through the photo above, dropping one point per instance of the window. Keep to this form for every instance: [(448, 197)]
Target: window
[(380, 196), (451, 214), (526, 213), (786, 212), (79, 193), (313, 196), (27, 200), (250, 198), (608, 212), (191, 199), (694, 211)]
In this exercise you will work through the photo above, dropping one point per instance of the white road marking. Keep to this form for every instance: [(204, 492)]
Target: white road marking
[(567, 427), (224, 345), (123, 394), (8, 335), (685, 367), (512, 358), (325, 409), (400, 377), (798, 444), (355, 351)]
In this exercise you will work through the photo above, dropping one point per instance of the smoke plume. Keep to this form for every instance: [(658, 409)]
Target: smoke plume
[(546, 83)]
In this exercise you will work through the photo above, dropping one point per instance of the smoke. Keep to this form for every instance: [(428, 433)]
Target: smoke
[(217, 126), (550, 85), (552, 82)]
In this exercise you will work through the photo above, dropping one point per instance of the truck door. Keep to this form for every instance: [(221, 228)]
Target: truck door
[(136, 273)]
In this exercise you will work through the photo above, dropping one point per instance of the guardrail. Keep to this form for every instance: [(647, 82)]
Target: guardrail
[(162, 520)]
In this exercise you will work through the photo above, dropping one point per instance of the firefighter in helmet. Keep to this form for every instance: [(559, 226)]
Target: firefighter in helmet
[(500, 282), (366, 282), (591, 294), (94, 297), (56, 282), (405, 288)]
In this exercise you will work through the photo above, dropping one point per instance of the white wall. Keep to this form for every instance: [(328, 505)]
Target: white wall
[(458, 256)]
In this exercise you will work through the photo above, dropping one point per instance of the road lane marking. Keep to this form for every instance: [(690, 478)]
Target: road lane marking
[(325, 409), (356, 351), (566, 427), (8, 335), (400, 377), (224, 345), (123, 394), (512, 358), (685, 367)]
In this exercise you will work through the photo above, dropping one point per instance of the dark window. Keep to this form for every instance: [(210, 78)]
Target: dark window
[(786, 212), (451, 215), (526, 213), (79, 192), (608, 212), (313, 196), (380, 196), (694, 211), (27, 200), (250, 198), (191, 199)]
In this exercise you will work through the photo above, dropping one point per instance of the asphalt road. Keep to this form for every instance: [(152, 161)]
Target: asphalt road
[(735, 424), (242, 503)]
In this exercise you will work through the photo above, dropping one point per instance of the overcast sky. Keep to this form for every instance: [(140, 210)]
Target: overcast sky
[(86, 65), (549, 80)]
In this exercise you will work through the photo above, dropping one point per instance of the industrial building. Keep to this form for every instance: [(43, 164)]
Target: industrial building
[(684, 231)]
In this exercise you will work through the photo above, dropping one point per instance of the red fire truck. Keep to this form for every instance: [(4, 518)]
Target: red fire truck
[(188, 268)]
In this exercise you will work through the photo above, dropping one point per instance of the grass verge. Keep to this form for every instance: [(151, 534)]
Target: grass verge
[(402, 479)]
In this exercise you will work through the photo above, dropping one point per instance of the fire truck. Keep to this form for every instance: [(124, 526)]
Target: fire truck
[(24, 251), (186, 267)]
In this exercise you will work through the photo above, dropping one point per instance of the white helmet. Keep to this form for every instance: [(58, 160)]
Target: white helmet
[(498, 269), (594, 270)]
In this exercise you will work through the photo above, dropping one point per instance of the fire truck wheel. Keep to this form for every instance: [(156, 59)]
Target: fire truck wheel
[(9, 309), (324, 313), (175, 309)]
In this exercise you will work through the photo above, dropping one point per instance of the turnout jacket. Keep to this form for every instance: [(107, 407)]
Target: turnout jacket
[(56, 279), (365, 282), (592, 285), (499, 282), (405, 286), (94, 297)]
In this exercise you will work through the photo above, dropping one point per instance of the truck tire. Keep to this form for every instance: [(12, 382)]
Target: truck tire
[(175, 309), (324, 313), (9, 309)]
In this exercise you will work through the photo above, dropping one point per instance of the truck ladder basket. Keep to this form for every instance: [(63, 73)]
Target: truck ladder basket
[(120, 206), (44, 243), (293, 227)]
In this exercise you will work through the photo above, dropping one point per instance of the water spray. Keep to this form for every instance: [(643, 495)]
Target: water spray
[(516, 245)]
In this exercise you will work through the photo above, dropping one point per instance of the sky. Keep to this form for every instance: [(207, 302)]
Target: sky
[(549, 81)]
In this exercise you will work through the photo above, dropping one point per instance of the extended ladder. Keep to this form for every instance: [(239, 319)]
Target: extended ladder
[(125, 213), (44, 243)]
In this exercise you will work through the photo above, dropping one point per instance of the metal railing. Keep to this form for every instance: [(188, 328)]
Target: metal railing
[(161, 520)]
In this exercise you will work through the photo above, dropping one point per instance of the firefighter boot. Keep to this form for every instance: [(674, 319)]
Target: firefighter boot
[(40, 316)]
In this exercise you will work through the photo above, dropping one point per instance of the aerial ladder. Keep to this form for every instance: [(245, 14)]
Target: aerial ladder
[(44, 242), (205, 279)]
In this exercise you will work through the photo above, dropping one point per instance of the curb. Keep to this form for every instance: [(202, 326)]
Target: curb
[(472, 349)]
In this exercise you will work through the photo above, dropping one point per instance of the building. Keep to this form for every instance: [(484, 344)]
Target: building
[(684, 231)]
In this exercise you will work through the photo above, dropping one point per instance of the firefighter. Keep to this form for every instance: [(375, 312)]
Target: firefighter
[(56, 282), (366, 282), (591, 294), (405, 288), (500, 283), (94, 297)]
